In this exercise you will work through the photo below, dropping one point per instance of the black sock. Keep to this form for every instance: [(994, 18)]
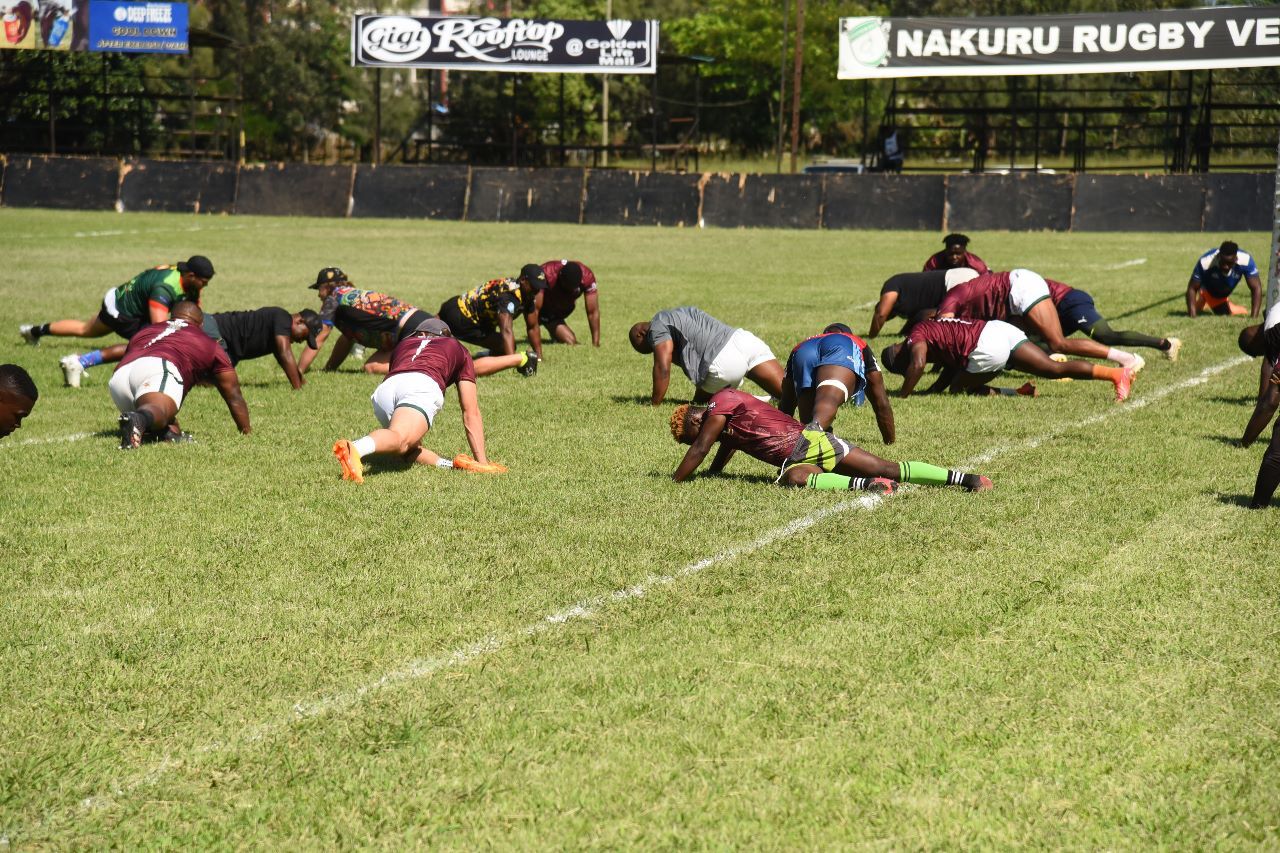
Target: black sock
[(1164, 345), (968, 481), (41, 330), (148, 419)]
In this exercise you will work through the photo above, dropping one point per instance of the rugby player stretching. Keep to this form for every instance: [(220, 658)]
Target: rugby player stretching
[(1264, 340)]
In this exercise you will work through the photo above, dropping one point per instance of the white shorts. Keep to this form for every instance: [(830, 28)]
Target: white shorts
[(995, 344), (109, 302), (1026, 289), (743, 352), (149, 375), (959, 275), (412, 390)]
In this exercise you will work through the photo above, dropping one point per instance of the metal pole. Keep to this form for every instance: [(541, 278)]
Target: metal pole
[(866, 124), (515, 90), (1036, 143), (782, 80), (1273, 283), (431, 110), (653, 167), (377, 116), (697, 114), (561, 119), (604, 101), (1013, 123), (795, 88)]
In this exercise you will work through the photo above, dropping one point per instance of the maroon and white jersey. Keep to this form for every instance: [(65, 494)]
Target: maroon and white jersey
[(559, 299), (938, 261), (193, 354), (983, 298), (950, 340), (443, 359), (1057, 290), (755, 428)]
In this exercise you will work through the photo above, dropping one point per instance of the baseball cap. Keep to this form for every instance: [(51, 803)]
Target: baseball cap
[(199, 265), (329, 275), (533, 274), (313, 324), (434, 326)]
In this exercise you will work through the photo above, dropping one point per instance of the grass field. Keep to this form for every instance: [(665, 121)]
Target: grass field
[(222, 645)]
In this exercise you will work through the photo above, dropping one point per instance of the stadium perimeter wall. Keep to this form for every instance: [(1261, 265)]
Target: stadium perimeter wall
[(1212, 202)]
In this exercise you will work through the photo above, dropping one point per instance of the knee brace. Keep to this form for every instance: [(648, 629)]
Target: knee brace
[(836, 383)]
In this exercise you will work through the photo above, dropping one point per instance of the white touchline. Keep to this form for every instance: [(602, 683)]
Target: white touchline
[(75, 436), (418, 669), (1133, 263)]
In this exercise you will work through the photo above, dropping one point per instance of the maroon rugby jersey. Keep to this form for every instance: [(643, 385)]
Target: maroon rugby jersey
[(950, 340), (983, 298), (1057, 290), (936, 262), (559, 300), (755, 428), (443, 359), (193, 354)]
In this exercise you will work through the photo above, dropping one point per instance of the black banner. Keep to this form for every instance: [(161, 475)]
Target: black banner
[(502, 44), (1228, 37)]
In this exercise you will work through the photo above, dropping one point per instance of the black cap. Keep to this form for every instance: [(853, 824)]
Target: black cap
[(314, 326), (955, 240), (533, 275), (329, 275), (198, 265), (434, 326)]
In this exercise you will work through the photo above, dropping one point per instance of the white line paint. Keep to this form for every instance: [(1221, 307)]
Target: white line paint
[(418, 669), (53, 439), (1136, 262), (872, 304)]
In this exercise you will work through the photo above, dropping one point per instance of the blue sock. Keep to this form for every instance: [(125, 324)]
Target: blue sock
[(89, 359)]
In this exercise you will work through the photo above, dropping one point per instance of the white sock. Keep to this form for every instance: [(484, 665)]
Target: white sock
[(443, 463), (1119, 356), (364, 446)]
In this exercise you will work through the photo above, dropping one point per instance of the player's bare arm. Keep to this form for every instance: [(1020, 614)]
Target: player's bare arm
[(158, 311), (309, 354), (884, 309), (533, 328), (788, 402), (472, 422), (228, 384), (709, 434), (1255, 294), (507, 329), (662, 353), (1193, 294), (284, 356), (1264, 410), (592, 301), (915, 369), (878, 396), (723, 454), (340, 352)]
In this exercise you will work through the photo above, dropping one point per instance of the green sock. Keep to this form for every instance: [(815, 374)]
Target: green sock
[(924, 474), (836, 482)]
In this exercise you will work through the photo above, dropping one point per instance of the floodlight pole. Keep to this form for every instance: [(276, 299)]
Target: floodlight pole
[(604, 100), (1273, 279), (795, 88)]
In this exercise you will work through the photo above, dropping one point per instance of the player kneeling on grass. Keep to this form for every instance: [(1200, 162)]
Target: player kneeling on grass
[(408, 400), (162, 361), (1264, 340), (828, 370), (18, 397), (973, 352), (741, 422)]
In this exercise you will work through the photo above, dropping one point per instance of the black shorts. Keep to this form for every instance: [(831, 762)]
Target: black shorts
[(125, 327), (411, 322), (550, 319), (464, 329)]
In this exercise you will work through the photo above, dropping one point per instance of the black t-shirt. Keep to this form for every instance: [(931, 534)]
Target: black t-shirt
[(917, 291), (248, 334)]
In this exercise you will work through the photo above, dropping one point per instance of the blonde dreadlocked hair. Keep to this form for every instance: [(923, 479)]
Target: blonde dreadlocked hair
[(677, 421)]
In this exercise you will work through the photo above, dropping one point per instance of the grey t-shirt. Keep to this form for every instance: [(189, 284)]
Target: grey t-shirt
[(698, 338)]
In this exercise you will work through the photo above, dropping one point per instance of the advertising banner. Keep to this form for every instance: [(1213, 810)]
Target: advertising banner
[(1226, 37), (131, 27), (502, 44), (44, 24)]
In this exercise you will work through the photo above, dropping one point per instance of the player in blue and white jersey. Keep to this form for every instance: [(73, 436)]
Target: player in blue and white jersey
[(1216, 274)]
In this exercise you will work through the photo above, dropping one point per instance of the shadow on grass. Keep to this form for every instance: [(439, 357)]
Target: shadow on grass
[(1242, 501), (1228, 440), (1242, 400), (766, 479)]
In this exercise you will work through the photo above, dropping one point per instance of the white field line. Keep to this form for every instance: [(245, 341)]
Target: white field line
[(421, 668), (872, 304), (53, 439), (1136, 262)]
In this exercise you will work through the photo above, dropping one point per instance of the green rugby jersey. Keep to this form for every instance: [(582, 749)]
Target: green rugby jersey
[(162, 284)]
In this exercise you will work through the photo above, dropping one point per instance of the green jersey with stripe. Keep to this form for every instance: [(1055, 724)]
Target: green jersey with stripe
[(162, 285)]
